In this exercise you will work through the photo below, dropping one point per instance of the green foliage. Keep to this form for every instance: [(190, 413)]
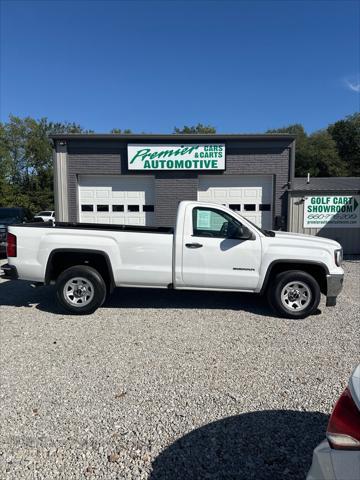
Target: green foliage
[(322, 157), (318, 153), (199, 128), (26, 169), (122, 132), (346, 134)]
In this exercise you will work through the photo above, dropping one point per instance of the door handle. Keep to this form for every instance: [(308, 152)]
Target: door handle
[(193, 245)]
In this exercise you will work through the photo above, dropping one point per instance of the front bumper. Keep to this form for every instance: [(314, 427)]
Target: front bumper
[(334, 285), (10, 272)]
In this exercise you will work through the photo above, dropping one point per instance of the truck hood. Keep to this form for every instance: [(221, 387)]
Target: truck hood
[(318, 241)]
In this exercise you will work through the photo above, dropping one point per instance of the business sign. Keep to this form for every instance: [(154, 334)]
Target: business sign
[(176, 157), (341, 211)]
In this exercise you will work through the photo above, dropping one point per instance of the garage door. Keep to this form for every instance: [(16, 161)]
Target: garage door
[(251, 196), (117, 199)]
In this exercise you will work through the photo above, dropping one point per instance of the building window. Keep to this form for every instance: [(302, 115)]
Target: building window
[(87, 208), (249, 207), (133, 208), (235, 206), (148, 208), (265, 207), (118, 208), (102, 208)]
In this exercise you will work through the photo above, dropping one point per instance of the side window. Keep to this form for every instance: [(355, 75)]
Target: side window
[(209, 222)]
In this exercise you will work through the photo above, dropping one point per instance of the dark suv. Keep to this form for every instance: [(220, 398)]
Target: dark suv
[(10, 216)]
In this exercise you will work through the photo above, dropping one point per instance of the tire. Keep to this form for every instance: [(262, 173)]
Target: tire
[(80, 290), (294, 294)]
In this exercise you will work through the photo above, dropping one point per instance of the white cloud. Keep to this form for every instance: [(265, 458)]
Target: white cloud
[(353, 85)]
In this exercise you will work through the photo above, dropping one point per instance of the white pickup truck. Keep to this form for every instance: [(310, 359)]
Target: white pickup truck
[(211, 248)]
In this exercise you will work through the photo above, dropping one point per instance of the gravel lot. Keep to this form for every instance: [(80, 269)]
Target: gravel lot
[(169, 385)]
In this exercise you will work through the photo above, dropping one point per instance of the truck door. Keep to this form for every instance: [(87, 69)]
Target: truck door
[(211, 258)]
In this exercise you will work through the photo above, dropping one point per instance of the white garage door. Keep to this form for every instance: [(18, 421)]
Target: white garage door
[(117, 199), (251, 196)]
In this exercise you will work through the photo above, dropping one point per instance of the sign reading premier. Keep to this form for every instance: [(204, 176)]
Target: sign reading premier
[(176, 157)]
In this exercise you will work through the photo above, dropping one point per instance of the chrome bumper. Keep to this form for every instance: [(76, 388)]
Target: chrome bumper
[(334, 287)]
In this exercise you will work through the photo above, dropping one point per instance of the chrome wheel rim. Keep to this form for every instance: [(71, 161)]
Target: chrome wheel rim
[(295, 296), (78, 291)]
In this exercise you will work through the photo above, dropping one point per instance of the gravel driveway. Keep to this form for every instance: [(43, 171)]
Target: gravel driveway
[(168, 385)]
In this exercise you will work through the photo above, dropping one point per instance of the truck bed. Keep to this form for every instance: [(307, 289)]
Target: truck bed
[(98, 226)]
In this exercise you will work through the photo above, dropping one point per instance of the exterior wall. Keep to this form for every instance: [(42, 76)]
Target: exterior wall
[(349, 238), (243, 157), (170, 189)]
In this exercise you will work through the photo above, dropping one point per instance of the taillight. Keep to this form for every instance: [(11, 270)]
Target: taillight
[(11, 245), (343, 431)]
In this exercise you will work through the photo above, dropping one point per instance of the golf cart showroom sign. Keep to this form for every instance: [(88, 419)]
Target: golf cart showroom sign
[(332, 211), (176, 157)]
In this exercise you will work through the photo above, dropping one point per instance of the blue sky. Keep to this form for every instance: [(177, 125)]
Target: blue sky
[(242, 66)]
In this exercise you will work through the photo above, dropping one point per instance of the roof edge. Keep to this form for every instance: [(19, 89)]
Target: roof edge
[(172, 136)]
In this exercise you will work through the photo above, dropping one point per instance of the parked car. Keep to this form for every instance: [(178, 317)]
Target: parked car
[(9, 216), (338, 457), (46, 215), (211, 248)]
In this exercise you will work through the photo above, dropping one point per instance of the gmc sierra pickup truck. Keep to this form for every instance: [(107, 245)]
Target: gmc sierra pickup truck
[(210, 248)]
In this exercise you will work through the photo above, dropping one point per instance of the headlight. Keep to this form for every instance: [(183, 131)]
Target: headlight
[(338, 256)]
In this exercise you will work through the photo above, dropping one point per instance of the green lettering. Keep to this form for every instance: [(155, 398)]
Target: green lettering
[(165, 153), (179, 163), (141, 153)]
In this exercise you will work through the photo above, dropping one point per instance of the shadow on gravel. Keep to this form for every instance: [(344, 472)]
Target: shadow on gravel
[(273, 445), (20, 294)]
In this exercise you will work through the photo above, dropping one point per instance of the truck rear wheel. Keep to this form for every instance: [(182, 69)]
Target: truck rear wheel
[(80, 289), (294, 294)]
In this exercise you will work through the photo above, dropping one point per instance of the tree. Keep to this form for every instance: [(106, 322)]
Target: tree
[(346, 134), (197, 129), (26, 169), (322, 158), (315, 154), (119, 131)]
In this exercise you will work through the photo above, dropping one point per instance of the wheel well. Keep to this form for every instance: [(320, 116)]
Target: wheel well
[(315, 270), (61, 260)]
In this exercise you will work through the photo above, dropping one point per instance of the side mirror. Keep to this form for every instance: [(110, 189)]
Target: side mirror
[(246, 234), (239, 232)]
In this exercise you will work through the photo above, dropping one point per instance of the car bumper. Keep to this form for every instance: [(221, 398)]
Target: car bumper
[(330, 464), (334, 287), (9, 272)]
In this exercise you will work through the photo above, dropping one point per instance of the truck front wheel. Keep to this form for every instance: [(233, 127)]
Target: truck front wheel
[(294, 294), (80, 289)]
